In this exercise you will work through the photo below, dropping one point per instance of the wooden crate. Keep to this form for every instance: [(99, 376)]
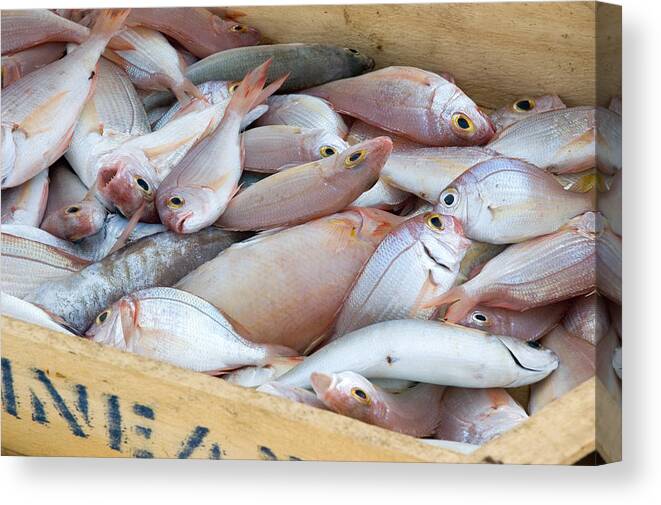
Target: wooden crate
[(64, 396)]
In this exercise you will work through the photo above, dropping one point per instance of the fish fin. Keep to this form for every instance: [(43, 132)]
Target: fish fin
[(452, 295), (120, 44), (108, 23), (458, 310), (11, 71), (130, 226), (286, 166), (156, 151), (250, 93), (36, 122)]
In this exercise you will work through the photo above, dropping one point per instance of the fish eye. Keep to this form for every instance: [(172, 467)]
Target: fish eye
[(524, 105), (232, 87), (479, 317), (353, 51), (534, 344), (449, 197), (355, 158), (143, 185), (327, 151), (462, 123), (72, 209), (239, 28), (360, 395), (175, 202), (435, 222), (101, 318)]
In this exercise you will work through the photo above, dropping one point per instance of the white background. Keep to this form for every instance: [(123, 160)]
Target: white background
[(26, 480)]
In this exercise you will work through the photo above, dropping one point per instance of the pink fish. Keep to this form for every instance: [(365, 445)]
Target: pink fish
[(476, 416), (36, 132), (587, 318), (518, 278), (197, 29), (524, 107), (414, 103), (414, 412), (196, 192), (17, 65)]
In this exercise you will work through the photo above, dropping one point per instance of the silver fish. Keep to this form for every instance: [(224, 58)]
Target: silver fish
[(25, 311), (587, 318), (430, 352), (157, 260), (179, 328), (505, 201), (17, 65), (417, 260)]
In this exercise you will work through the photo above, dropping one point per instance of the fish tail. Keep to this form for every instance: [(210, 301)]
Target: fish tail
[(250, 93), (276, 352), (108, 23)]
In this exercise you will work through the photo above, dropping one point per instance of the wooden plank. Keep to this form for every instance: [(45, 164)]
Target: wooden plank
[(497, 51), (65, 396), (609, 425)]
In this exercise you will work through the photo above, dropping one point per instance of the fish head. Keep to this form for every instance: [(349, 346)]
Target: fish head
[(324, 144), (364, 160), (534, 361), (127, 179), (113, 326), (185, 209), (237, 34), (350, 394), (526, 106), (460, 199), (77, 221), (359, 63), (461, 119), (442, 239), (483, 318)]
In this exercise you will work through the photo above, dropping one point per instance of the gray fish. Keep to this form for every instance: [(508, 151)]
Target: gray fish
[(308, 65), (158, 260)]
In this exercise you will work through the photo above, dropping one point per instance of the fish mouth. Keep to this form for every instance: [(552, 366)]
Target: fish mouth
[(321, 383), (434, 259), (180, 223)]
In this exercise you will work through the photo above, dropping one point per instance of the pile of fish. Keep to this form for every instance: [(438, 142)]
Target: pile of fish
[(285, 217)]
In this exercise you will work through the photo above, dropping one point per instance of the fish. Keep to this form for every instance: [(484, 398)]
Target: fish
[(271, 148), (582, 182), (36, 132), (254, 376), (153, 64), (329, 253), (227, 12), (198, 189), (309, 191), (565, 140), (26, 204), (615, 313), (213, 92), (431, 352), (609, 204), (382, 196), (24, 29), (156, 260), (426, 172), (416, 261), (72, 212), (176, 327), (24, 311), (505, 201), (111, 117), (20, 64), (29, 258), (587, 318), (532, 324), (414, 412), (477, 255), (617, 361), (422, 106), (517, 279), (197, 29), (361, 131), (609, 263), (577, 364), (525, 107), (293, 393), (304, 111), (129, 174), (307, 65), (476, 416)]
